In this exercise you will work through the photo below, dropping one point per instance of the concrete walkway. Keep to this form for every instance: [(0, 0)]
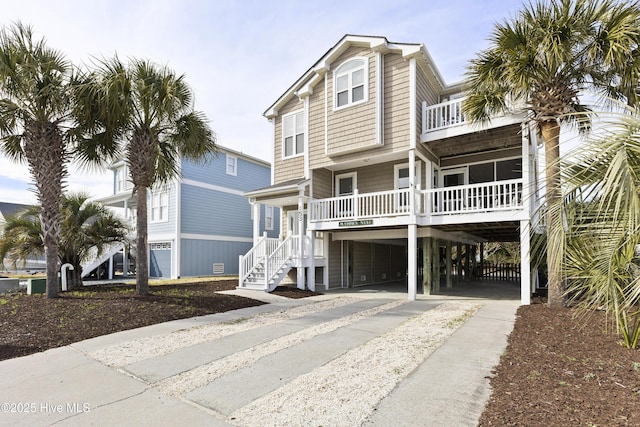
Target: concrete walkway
[(183, 372)]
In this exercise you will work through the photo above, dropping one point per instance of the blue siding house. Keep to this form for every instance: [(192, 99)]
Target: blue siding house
[(200, 223)]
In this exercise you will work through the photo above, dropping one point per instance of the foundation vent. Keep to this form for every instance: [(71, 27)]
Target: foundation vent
[(218, 268)]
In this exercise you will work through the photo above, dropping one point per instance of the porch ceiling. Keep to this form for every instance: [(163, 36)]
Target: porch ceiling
[(493, 139), (508, 231)]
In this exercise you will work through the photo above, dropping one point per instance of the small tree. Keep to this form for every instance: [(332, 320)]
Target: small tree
[(601, 208), (87, 227)]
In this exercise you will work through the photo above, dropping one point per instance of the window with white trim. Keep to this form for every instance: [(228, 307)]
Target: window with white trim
[(232, 165), (159, 205), (268, 217), (293, 134), (121, 179), (350, 83)]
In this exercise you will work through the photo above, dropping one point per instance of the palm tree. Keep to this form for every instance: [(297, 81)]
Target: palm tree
[(152, 109), (544, 59), (87, 227), (35, 103), (602, 214)]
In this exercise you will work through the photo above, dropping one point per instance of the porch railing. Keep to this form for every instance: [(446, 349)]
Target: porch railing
[(440, 116), (357, 206), (485, 197), (474, 198)]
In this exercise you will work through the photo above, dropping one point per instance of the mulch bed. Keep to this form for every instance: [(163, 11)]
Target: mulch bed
[(33, 323), (562, 370)]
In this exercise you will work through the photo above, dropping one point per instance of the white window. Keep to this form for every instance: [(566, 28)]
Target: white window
[(293, 134), (232, 165), (350, 83), (268, 217), (121, 179), (160, 205)]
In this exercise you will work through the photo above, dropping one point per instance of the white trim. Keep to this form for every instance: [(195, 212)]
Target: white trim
[(365, 84), (464, 170), (158, 193), (273, 151), (164, 237), (234, 172), (306, 137), (418, 173), (326, 115), (212, 187), (379, 98), (293, 114), (413, 136), (178, 222), (353, 175), (216, 238)]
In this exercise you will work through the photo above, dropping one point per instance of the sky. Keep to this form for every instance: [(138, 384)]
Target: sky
[(239, 56)]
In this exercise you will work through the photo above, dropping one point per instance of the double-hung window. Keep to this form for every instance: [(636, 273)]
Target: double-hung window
[(232, 165), (293, 134), (351, 83), (160, 205)]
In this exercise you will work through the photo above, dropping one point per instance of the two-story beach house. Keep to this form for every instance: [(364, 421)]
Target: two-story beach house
[(200, 223), (380, 177)]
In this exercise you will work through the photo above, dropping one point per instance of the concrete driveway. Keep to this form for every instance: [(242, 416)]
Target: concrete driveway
[(349, 357)]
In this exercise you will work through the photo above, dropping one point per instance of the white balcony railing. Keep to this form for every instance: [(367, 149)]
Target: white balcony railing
[(358, 206), (463, 199), (485, 197), (443, 115)]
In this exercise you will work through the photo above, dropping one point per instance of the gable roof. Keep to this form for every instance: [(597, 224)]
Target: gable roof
[(304, 85)]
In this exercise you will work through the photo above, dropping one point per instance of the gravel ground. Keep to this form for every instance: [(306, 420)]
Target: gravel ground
[(144, 348), (346, 390), (185, 382)]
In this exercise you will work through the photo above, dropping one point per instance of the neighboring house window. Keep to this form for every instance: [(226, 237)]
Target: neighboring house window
[(293, 134), (268, 217), (232, 165), (350, 83), (121, 179), (160, 205)]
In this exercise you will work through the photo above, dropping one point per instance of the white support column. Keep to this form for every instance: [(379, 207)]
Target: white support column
[(325, 269), (256, 222), (412, 240), (311, 269), (300, 268), (525, 264), (110, 273)]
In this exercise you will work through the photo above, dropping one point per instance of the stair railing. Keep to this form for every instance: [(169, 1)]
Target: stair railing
[(273, 262)]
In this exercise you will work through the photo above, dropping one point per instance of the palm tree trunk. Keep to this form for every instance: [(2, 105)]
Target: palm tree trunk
[(142, 260), (551, 135), (45, 152)]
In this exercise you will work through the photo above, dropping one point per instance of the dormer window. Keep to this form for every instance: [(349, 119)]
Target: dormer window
[(351, 83)]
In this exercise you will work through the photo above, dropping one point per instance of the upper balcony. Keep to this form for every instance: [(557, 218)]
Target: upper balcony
[(446, 119), (491, 201)]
